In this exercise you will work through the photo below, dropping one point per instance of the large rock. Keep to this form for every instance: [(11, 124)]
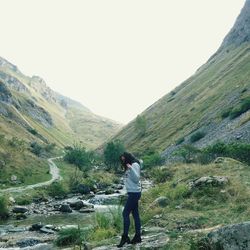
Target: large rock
[(78, 204), (65, 208), (161, 201), (209, 181), (83, 189), (232, 237), (19, 210)]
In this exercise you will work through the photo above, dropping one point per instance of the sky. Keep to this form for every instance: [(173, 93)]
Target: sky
[(117, 57)]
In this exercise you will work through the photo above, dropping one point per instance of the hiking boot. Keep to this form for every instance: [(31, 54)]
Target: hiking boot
[(136, 239), (124, 239)]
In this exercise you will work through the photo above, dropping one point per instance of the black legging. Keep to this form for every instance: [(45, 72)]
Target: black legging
[(132, 206)]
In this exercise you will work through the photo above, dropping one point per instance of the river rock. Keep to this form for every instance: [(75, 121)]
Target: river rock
[(12, 200), (161, 201), (109, 191), (47, 230), (86, 210), (83, 189), (19, 209), (13, 178), (28, 242), (36, 227), (232, 237), (21, 216), (208, 181), (65, 208)]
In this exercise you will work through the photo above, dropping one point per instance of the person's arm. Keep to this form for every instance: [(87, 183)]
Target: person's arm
[(134, 172)]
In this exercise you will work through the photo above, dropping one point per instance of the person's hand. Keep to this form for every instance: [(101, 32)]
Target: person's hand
[(128, 166)]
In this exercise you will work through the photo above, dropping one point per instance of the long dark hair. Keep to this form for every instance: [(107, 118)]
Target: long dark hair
[(129, 159)]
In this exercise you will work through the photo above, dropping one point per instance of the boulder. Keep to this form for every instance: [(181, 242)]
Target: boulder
[(161, 201), (232, 237), (65, 208), (109, 191), (36, 227), (20, 210), (78, 204), (208, 181), (13, 178), (83, 189)]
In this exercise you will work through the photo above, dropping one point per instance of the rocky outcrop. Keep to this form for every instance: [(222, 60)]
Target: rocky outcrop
[(208, 181), (240, 33), (5, 94), (232, 237), (40, 86), (13, 83), (38, 113)]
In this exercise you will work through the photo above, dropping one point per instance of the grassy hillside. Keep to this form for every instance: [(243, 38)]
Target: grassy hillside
[(197, 104), (56, 118), (30, 112)]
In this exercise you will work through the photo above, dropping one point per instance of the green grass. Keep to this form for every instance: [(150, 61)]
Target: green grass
[(199, 208), (19, 161)]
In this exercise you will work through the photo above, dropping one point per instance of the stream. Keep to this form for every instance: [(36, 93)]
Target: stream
[(16, 233)]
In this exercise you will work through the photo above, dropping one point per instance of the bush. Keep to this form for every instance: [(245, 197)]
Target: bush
[(4, 212), (36, 148), (33, 131), (188, 153), (238, 151), (56, 189), (242, 108), (180, 140), (197, 136), (226, 113), (80, 157), (152, 158), (112, 152)]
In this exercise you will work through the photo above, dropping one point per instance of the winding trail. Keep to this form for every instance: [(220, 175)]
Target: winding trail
[(54, 171)]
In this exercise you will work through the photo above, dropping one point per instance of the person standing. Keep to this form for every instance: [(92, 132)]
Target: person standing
[(133, 186)]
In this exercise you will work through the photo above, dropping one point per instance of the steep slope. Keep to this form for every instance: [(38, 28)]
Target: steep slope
[(207, 102), (30, 110)]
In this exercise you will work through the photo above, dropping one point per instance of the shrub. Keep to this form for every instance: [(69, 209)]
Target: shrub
[(56, 189), (238, 151), (188, 153), (242, 108), (79, 157), (32, 131), (197, 136), (180, 140), (152, 158), (49, 147), (4, 212), (36, 148), (112, 152), (226, 113)]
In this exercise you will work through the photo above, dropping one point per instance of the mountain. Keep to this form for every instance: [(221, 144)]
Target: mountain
[(31, 110), (212, 105)]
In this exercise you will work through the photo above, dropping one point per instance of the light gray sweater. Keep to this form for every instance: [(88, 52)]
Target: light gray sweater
[(132, 178)]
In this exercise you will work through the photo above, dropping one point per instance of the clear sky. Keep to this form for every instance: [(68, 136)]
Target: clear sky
[(115, 57)]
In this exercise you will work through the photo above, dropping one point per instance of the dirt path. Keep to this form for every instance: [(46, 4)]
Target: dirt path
[(54, 171)]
